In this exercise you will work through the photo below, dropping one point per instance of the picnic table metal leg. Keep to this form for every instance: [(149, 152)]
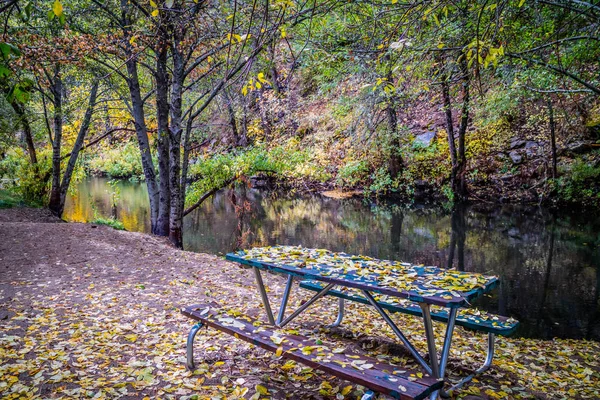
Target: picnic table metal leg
[(190, 346), (448, 340), (433, 358), (340, 316), (284, 300), (486, 365), (263, 294), (398, 332), (304, 306)]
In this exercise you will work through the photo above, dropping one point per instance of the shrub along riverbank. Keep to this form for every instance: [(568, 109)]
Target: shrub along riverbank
[(295, 163)]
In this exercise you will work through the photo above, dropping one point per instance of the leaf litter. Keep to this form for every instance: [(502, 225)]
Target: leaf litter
[(123, 337)]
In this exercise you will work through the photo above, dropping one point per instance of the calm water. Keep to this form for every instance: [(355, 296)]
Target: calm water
[(549, 265)]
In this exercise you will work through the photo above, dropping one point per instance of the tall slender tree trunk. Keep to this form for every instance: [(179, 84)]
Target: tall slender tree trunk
[(274, 73), (552, 137), (57, 92), (142, 137), (20, 111), (396, 163), (457, 156), (137, 105), (162, 111), (449, 124), (460, 185), (232, 121), (83, 129), (176, 214), (187, 145)]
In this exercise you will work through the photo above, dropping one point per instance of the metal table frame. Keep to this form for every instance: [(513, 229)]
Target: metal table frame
[(436, 366)]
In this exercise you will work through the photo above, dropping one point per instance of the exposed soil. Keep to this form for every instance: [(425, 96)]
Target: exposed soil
[(87, 310)]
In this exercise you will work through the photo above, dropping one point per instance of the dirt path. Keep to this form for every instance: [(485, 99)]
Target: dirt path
[(93, 312)]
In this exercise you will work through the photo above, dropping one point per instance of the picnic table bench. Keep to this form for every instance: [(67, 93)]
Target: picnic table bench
[(427, 292), (367, 371)]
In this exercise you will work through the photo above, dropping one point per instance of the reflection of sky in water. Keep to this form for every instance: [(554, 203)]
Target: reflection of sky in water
[(549, 267)]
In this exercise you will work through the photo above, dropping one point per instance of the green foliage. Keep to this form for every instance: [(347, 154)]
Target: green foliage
[(449, 194), (287, 162), (580, 184), (29, 182), (9, 199), (353, 173), (342, 108), (118, 162), (382, 181), (113, 223)]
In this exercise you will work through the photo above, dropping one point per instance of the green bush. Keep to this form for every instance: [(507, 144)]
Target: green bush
[(9, 199), (353, 173), (285, 162), (28, 182), (118, 162), (580, 184), (382, 182)]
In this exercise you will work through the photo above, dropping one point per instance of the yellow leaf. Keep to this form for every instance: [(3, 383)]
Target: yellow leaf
[(279, 351), (57, 8), (346, 390), (132, 338), (521, 3), (155, 13), (261, 389), (153, 4)]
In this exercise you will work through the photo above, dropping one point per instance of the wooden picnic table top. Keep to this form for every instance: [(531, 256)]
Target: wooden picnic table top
[(418, 283)]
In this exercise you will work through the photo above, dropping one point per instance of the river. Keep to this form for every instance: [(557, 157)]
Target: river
[(548, 263)]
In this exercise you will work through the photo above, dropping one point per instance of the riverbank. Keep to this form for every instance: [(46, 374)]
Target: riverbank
[(89, 310)]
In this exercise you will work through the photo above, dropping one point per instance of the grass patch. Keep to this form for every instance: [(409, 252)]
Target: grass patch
[(113, 223), (9, 199)]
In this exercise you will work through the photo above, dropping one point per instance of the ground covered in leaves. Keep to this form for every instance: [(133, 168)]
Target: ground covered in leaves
[(93, 312)]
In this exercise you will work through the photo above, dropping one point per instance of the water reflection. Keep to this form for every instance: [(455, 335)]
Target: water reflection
[(548, 264)]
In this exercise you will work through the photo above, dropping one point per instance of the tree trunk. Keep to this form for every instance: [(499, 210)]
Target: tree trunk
[(85, 124), (552, 137), (20, 111), (57, 91), (459, 185), (176, 215), (396, 163), (187, 145), (232, 120), (449, 126), (137, 106), (264, 117), (162, 111), (142, 137), (274, 73), (458, 158)]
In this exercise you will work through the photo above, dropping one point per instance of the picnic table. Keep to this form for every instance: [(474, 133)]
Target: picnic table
[(388, 286)]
